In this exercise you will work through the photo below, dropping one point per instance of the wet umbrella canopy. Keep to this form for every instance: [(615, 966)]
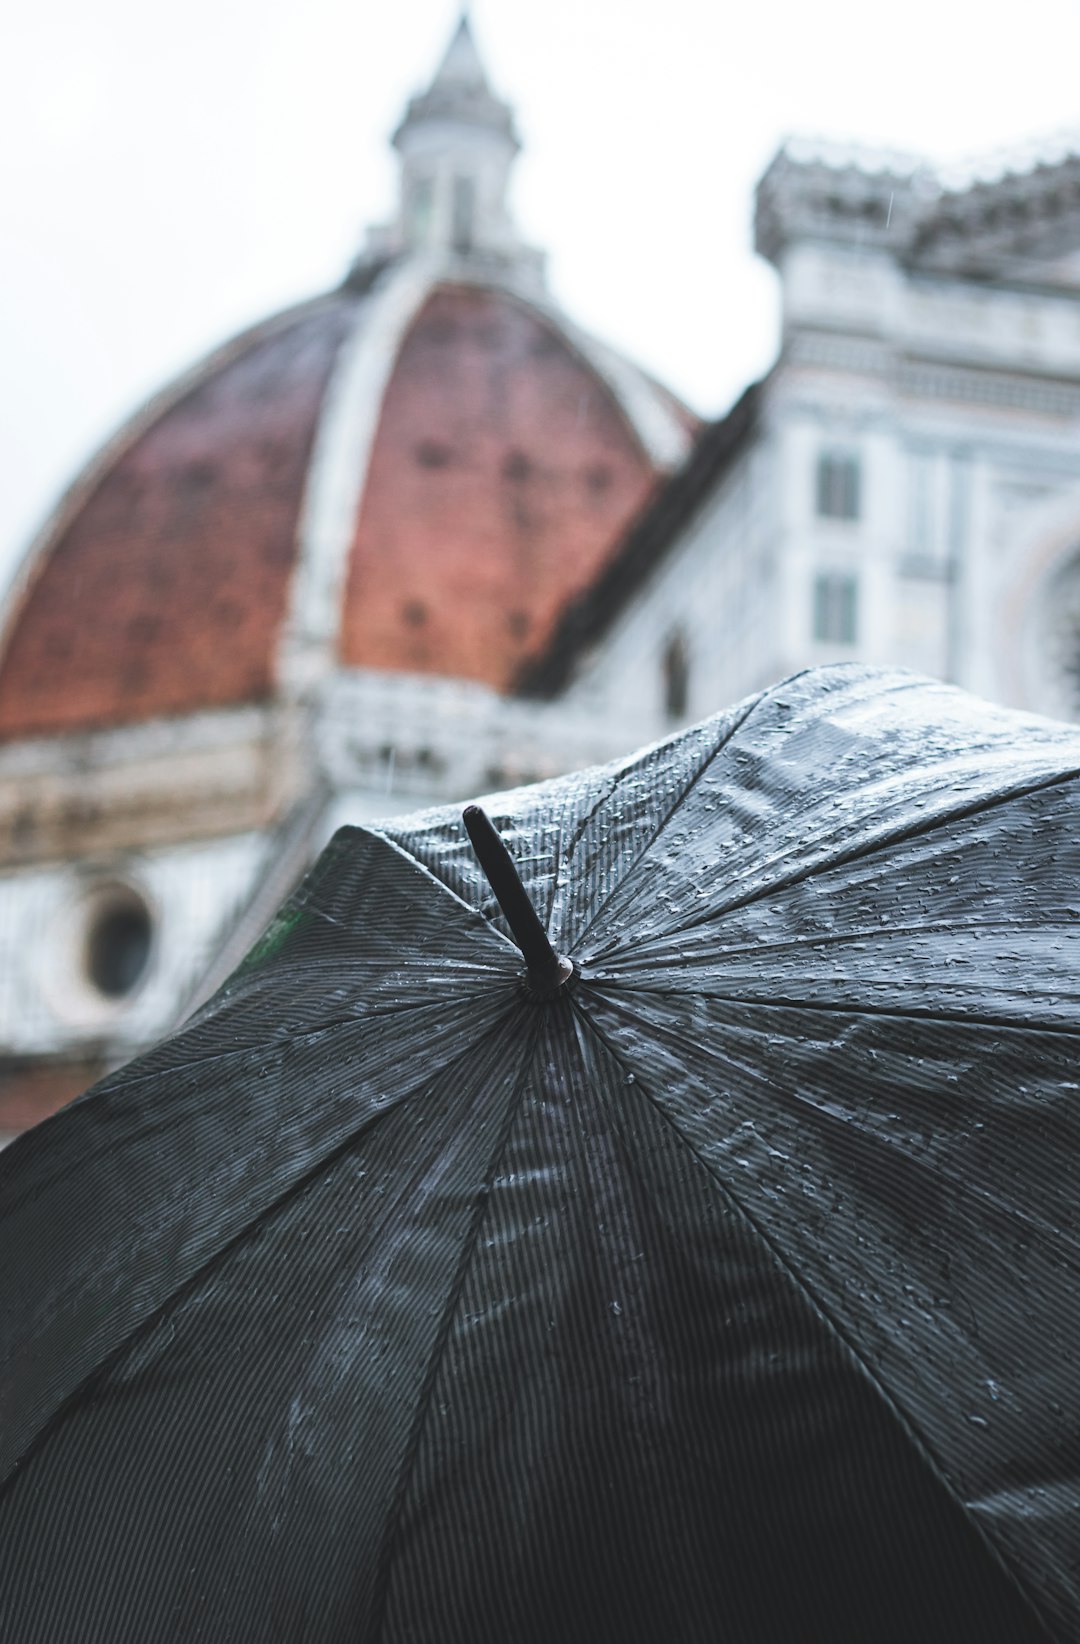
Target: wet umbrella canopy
[(726, 1292)]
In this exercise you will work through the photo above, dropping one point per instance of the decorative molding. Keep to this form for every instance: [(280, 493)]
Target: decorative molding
[(919, 377), (423, 739), (119, 745), (163, 783), (1030, 216), (837, 350), (893, 205), (870, 202), (927, 379)]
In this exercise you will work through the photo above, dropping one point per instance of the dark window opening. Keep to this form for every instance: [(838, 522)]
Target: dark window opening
[(118, 944), (433, 454), (437, 331), (545, 344), (464, 210), (837, 486), (835, 598), (676, 677), (516, 466), (144, 629), (421, 200), (197, 476), (134, 676), (23, 827)]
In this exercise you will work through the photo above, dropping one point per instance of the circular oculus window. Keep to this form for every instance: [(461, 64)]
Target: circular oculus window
[(96, 954), (116, 942)]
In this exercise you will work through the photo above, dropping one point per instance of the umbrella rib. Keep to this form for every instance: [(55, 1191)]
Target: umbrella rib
[(388, 1545), (626, 771), (678, 800), (124, 1077), (947, 1018), (822, 1310), (858, 853), (1034, 1224), (868, 933), (961, 1186), (455, 896), (575, 839)]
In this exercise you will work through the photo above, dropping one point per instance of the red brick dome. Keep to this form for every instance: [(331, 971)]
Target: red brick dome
[(417, 476), (161, 583), (416, 472)]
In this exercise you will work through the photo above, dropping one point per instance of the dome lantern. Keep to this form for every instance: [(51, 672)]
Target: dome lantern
[(457, 141)]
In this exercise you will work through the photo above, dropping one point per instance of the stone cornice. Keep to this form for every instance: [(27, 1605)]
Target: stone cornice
[(873, 203), (165, 782), (1028, 214), (922, 376)]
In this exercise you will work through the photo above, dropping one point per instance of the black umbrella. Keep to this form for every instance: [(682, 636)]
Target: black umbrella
[(724, 1289)]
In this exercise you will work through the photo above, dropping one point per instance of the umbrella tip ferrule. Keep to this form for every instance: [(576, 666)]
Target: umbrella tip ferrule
[(546, 972)]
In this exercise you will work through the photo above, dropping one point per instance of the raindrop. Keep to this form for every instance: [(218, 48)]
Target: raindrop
[(616, 1309), (978, 1421)]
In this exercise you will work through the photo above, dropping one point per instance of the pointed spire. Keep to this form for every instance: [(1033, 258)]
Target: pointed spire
[(457, 144), (460, 92), (461, 64)]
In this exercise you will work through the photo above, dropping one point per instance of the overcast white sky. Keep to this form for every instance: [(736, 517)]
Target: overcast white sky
[(172, 173)]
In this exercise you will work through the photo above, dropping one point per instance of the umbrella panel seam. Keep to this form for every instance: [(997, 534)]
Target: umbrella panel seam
[(475, 914), (388, 1547), (928, 927), (946, 1018), (116, 1082), (674, 806), (1037, 1228), (150, 1318), (872, 848)]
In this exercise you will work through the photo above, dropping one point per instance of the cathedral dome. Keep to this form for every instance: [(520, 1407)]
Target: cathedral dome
[(416, 473)]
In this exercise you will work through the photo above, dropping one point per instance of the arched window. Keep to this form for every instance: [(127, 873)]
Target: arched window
[(1058, 643), (676, 677)]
